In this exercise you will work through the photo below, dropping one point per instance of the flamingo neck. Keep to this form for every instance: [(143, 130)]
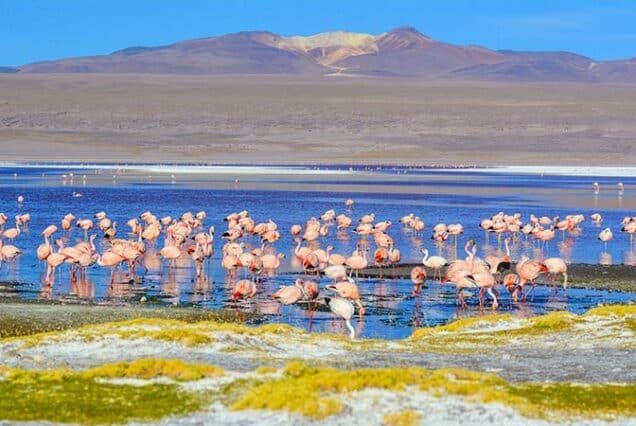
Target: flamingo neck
[(352, 331), (468, 253)]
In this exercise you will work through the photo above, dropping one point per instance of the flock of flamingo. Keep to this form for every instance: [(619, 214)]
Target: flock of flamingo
[(184, 237)]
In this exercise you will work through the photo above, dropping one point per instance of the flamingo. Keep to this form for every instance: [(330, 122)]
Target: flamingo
[(271, 261), (300, 251), (344, 309), (54, 260), (336, 272), (485, 281), (86, 225), (12, 233), (605, 235), (434, 262), (499, 264), (44, 250), (337, 259), (170, 252), (555, 266), (289, 295), (349, 290), (311, 263), (381, 257), (8, 251), (343, 221), (630, 228), (405, 220), (110, 260), (357, 261), (418, 277), (395, 256), (243, 288), (528, 271)]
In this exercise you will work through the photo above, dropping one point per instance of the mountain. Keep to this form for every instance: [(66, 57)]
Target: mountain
[(9, 70), (401, 52), (406, 52), (534, 66), (240, 53)]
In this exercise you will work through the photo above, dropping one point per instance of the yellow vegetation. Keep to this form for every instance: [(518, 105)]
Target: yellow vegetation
[(150, 368), (612, 310), (403, 418), (263, 369), (65, 396), (462, 324), (188, 334), (313, 392)]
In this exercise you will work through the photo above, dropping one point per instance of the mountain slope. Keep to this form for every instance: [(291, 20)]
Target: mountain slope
[(400, 52), (248, 52), (406, 52)]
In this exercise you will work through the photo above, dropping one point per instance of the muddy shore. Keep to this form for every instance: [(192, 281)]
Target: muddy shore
[(23, 317)]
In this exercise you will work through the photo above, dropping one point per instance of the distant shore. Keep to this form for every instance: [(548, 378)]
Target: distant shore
[(300, 169)]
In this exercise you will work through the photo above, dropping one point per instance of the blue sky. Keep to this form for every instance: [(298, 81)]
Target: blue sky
[(32, 30)]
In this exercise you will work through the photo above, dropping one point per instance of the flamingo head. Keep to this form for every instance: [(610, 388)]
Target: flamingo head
[(511, 282), (255, 265), (312, 289)]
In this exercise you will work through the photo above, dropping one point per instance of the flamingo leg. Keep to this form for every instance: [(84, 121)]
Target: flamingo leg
[(495, 303)]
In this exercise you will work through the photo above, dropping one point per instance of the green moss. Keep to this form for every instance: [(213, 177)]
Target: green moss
[(150, 368), (67, 397), (613, 310), (303, 388), (605, 401), (462, 324), (314, 392), (188, 334), (549, 323), (403, 418)]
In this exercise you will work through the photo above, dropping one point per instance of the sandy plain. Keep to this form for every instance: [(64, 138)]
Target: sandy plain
[(325, 120)]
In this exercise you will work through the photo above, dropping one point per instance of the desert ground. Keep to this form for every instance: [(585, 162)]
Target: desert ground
[(293, 120)]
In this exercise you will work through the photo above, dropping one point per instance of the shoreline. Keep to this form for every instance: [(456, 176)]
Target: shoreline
[(307, 168), (51, 315), (54, 315)]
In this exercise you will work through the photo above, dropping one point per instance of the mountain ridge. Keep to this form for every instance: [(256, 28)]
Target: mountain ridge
[(400, 52)]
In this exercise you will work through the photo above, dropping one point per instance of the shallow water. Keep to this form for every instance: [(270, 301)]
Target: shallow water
[(392, 312)]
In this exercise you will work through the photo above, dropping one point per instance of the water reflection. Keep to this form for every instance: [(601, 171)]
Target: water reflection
[(392, 309), (605, 258)]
